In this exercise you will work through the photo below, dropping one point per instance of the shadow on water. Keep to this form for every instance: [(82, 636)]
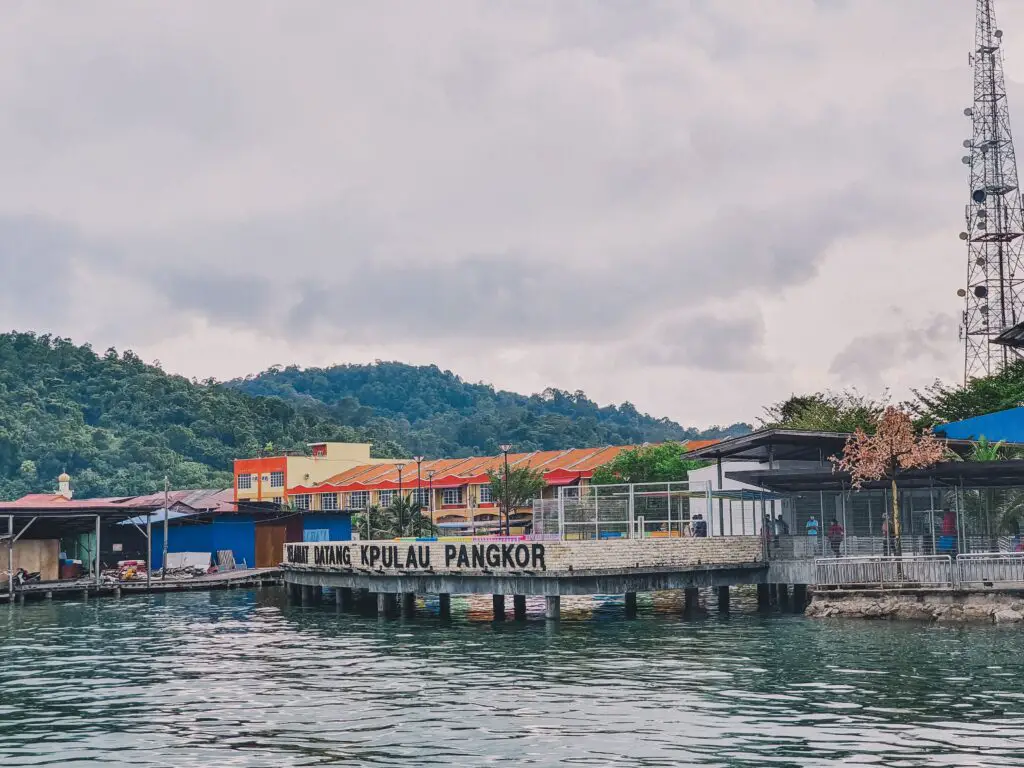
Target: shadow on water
[(245, 679)]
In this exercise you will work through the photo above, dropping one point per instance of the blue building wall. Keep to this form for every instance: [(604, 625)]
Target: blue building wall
[(181, 538), (338, 527), (1005, 425), (237, 533), (234, 532)]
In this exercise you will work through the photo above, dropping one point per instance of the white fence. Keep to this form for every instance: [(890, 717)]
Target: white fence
[(970, 571)]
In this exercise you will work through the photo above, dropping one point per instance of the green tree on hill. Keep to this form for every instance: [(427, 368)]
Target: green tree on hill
[(662, 463)]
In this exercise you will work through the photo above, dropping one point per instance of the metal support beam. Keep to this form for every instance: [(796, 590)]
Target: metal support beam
[(97, 550), (10, 557), (27, 526)]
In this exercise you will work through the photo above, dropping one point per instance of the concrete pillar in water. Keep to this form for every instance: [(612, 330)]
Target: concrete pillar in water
[(519, 607), (444, 606), (763, 596), (723, 599), (499, 607), (408, 605), (799, 598), (691, 600), (49, 595), (366, 603), (345, 598), (783, 591), (552, 607), (630, 604), (308, 595), (382, 604), (773, 594)]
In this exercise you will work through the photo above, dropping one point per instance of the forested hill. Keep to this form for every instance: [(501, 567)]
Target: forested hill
[(119, 425), (435, 413)]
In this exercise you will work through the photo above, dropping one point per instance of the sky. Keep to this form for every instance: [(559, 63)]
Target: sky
[(698, 206)]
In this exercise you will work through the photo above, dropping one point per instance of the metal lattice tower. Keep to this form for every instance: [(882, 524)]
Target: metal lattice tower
[(994, 220)]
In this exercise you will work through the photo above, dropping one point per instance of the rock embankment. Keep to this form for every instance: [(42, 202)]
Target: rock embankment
[(947, 607)]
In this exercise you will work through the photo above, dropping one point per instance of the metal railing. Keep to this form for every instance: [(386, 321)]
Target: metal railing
[(989, 569), (623, 511), (886, 572)]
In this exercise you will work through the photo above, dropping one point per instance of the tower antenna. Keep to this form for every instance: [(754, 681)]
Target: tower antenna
[(995, 224)]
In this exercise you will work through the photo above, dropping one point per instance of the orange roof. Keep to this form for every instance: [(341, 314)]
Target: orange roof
[(582, 461)]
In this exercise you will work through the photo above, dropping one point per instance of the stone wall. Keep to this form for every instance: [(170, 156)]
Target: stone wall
[(948, 607), (514, 557)]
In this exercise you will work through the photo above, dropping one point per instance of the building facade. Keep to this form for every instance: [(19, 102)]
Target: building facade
[(455, 493), (269, 478)]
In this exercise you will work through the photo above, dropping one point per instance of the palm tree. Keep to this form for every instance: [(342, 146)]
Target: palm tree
[(403, 517)]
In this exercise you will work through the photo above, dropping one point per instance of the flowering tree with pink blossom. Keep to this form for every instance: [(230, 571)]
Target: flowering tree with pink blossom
[(893, 447)]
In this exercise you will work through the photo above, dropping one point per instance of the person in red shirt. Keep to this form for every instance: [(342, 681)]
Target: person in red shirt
[(835, 535)]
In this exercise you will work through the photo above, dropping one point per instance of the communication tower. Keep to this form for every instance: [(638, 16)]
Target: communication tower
[(992, 297)]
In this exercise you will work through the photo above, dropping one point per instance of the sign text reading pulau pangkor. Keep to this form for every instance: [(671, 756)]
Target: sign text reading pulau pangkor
[(408, 557)]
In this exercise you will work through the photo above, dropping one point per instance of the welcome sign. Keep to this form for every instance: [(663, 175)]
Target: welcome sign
[(427, 557)]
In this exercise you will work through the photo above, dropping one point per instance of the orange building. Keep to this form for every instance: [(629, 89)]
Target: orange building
[(456, 492), (269, 478)]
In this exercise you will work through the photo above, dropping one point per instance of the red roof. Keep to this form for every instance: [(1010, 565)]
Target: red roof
[(559, 468)]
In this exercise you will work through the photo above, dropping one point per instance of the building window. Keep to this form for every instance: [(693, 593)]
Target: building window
[(276, 500), (359, 500), (385, 498), (245, 482), (422, 497), (277, 479), (328, 501), (452, 496), (301, 501), (486, 496), (571, 492)]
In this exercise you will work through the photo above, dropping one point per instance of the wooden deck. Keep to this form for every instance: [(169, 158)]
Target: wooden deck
[(241, 579)]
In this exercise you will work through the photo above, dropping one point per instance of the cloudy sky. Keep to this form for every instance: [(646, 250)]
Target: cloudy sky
[(698, 206)]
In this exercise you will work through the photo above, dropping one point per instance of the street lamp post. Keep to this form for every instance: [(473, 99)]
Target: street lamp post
[(401, 522), (430, 498), (505, 448), (419, 484)]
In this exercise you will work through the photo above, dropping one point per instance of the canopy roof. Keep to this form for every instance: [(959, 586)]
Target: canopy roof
[(790, 445), (971, 474)]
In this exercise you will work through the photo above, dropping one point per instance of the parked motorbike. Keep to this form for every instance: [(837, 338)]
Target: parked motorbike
[(21, 576)]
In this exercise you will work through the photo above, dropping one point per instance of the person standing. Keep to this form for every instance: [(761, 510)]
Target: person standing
[(812, 526), (836, 534)]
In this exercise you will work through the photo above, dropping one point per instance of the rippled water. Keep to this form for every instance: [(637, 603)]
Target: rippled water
[(243, 679)]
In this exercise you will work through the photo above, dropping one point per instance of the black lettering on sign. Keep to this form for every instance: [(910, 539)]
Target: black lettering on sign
[(522, 555), (298, 553), (538, 557), (318, 556), (410, 557), (449, 555), (345, 555), (493, 555), (387, 557), (424, 553), (362, 556), (478, 555), (506, 555), (374, 555), (463, 561)]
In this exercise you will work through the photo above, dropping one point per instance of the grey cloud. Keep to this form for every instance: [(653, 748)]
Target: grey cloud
[(867, 359), (532, 173), (705, 342)]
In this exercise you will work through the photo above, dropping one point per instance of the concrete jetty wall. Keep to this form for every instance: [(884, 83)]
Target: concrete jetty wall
[(524, 557)]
